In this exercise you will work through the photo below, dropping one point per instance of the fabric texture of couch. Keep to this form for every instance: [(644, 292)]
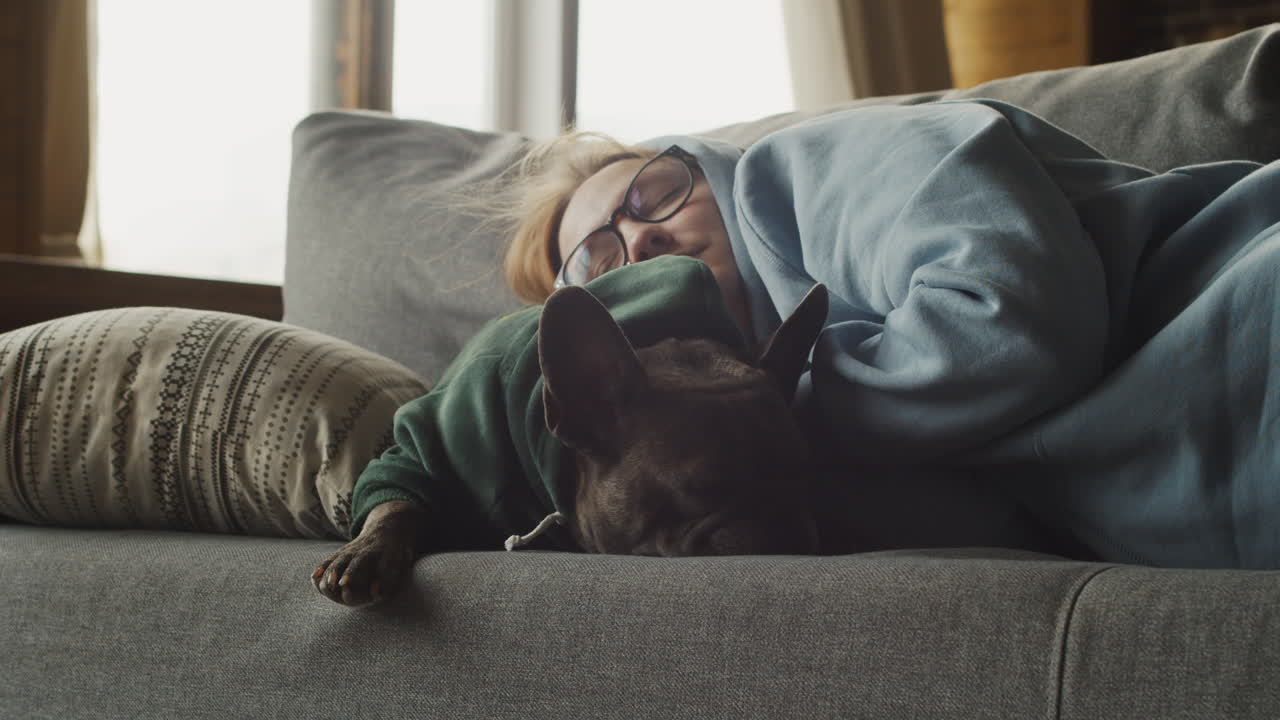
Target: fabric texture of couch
[(139, 624)]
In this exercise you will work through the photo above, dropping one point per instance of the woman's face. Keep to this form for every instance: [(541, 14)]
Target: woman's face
[(697, 230)]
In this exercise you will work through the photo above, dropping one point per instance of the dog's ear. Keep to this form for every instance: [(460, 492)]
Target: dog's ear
[(787, 350), (589, 371)]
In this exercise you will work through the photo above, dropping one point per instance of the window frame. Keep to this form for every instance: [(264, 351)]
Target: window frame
[(535, 61)]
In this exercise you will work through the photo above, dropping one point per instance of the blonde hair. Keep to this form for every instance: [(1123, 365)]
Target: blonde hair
[(537, 190)]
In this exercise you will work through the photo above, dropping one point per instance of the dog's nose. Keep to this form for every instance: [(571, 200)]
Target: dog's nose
[(812, 541), (798, 536)]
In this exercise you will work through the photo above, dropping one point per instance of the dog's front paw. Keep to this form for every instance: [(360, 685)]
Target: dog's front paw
[(365, 570)]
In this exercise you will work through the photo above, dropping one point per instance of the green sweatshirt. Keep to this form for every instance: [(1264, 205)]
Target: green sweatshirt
[(475, 451)]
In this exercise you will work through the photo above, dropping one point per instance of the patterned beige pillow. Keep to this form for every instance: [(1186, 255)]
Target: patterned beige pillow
[(180, 419)]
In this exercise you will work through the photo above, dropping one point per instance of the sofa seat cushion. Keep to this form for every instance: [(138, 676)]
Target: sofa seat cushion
[(190, 420), (494, 635), (531, 634)]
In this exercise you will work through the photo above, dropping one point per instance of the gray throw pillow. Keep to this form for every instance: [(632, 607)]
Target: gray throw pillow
[(378, 255)]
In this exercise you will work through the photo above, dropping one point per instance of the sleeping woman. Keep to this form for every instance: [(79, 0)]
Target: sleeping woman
[(1021, 332), (1096, 340)]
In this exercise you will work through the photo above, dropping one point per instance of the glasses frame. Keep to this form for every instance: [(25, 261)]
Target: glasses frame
[(610, 226)]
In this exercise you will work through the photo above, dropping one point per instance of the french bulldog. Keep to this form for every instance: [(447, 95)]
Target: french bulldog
[(680, 448)]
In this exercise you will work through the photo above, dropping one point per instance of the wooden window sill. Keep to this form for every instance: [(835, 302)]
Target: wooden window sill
[(34, 290)]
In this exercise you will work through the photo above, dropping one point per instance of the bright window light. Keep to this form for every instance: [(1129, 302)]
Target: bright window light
[(679, 66), (196, 103), (443, 62)]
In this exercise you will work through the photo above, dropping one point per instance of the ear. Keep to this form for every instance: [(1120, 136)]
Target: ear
[(787, 350), (589, 371)]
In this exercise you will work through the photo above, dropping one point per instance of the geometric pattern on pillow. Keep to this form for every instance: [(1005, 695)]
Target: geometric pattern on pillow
[(178, 419)]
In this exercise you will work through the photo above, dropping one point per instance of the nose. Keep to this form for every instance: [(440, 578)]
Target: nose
[(644, 241)]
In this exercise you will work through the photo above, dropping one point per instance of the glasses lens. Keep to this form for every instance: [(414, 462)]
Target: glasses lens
[(599, 253), (659, 190)]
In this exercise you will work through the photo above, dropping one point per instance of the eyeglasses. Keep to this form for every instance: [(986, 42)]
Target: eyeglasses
[(658, 191)]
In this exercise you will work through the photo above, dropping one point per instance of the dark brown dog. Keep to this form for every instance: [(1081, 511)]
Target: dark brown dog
[(680, 448)]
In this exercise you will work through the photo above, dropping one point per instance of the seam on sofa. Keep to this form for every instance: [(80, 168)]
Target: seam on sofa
[(1070, 611)]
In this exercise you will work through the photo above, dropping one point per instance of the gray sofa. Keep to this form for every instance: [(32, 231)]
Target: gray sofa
[(143, 624)]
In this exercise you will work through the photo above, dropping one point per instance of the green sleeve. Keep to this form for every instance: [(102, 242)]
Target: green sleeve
[(475, 452), (452, 454)]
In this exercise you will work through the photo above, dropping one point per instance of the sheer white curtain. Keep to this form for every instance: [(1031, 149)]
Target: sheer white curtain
[(680, 65), (195, 106), (845, 49)]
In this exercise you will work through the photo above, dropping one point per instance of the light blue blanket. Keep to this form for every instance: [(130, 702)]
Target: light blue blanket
[(1100, 342)]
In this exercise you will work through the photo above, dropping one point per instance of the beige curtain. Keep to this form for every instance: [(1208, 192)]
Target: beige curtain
[(46, 137), (846, 49)]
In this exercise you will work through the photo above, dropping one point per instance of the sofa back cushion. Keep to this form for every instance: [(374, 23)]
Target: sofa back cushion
[(1200, 103), (380, 254), (164, 418)]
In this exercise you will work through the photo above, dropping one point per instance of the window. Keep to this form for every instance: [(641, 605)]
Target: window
[(443, 62), (675, 66), (196, 103)]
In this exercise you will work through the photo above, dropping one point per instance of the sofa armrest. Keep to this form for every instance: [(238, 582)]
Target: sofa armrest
[(34, 290)]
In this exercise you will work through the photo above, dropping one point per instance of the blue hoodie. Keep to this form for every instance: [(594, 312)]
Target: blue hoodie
[(1012, 312)]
